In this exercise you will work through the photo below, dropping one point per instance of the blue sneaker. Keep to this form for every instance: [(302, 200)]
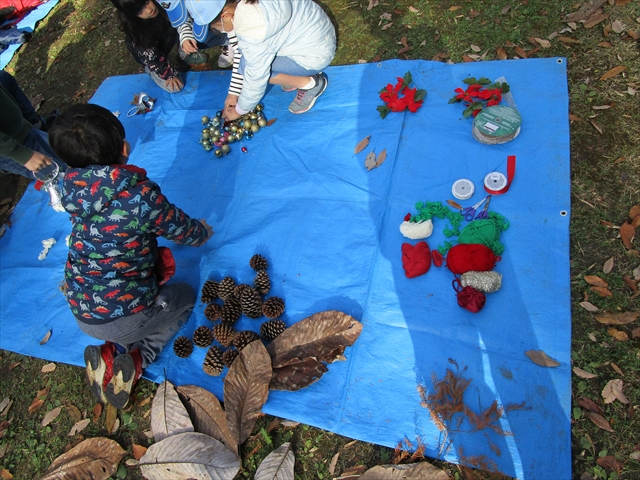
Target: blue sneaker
[(305, 99)]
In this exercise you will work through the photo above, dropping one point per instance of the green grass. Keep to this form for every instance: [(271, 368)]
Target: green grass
[(74, 58)]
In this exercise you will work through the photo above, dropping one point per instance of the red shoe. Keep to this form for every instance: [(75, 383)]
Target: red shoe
[(99, 362), (127, 370)]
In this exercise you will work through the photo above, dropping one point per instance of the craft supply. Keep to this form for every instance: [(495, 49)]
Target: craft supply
[(485, 232), (143, 104), (496, 125), (416, 259), (49, 179), (470, 212), (463, 258), (471, 299), (462, 189), (487, 282), (416, 230), (495, 183)]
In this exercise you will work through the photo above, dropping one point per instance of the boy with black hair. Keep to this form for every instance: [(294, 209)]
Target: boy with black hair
[(115, 273)]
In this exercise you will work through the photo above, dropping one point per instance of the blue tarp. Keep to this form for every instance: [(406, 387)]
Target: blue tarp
[(330, 230), (27, 24)]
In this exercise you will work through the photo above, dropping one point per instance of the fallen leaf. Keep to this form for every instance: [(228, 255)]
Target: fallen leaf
[(610, 462), (6, 474), (573, 118), (78, 94), (468, 59), (595, 281), (627, 232), (586, 10), (111, 422), (333, 463), (602, 291), (539, 357), (131, 462), (382, 156), (568, 40), (78, 427), (634, 212), (601, 107), (97, 411), (599, 421), (583, 374), (617, 369), (617, 318), (454, 8), (362, 144), (413, 9), (51, 416), (168, 415), (605, 45), (594, 20), (633, 34), (145, 401), (96, 458), (620, 3), (589, 306), (412, 471), (189, 455), (138, 451), (372, 3), (612, 391), (48, 368), (475, 48), (617, 26), (14, 365), (370, 161), (520, 52), (596, 126), (618, 334), (271, 122), (630, 283), (278, 464), (608, 266), (39, 400), (502, 55), (589, 405), (46, 338), (613, 72), (635, 333), (74, 412), (543, 43)]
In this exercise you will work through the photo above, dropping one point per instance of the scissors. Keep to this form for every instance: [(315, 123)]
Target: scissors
[(483, 215), (470, 212)]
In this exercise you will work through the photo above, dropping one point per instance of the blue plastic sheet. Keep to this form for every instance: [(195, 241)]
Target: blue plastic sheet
[(27, 24), (330, 230)]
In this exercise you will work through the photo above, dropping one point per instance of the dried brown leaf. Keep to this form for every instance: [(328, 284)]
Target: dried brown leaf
[(605, 44), (586, 10), (594, 20), (608, 266), (411, 471), (613, 72), (630, 283), (271, 122), (602, 291), (246, 388), (96, 458), (617, 318), (539, 357), (97, 411), (46, 338), (610, 462), (595, 280), (627, 232), (362, 144), (51, 416), (589, 405), (635, 333), (583, 373), (599, 421), (502, 55), (168, 415), (568, 40), (454, 8), (74, 412), (79, 426), (617, 369), (520, 52), (110, 422), (612, 391), (6, 474), (207, 414), (542, 42), (300, 374), (48, 368), (635, 223), (370, 161), (138, 451), (382, 156), (596, 126), (467, 59), (634, 212), (618, 334)]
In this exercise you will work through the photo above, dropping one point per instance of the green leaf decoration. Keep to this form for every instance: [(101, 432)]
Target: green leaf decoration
[(384, 110), (470, 81), (420, 95), (505, 88), (455, 99), (407, 79), (484, 81), (474, 106)]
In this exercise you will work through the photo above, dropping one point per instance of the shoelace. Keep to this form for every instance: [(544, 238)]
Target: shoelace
[(300, 95), (225, 50)]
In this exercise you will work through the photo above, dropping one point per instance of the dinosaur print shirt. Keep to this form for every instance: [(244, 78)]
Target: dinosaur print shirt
[(117, 213)]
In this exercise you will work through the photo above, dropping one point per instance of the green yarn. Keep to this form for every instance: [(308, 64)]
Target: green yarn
[(485, 232)]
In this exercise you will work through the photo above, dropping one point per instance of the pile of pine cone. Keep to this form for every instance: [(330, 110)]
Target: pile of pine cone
[(237, 299)]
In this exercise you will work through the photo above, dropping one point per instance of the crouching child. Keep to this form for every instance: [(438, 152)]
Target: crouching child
[(115, 273)]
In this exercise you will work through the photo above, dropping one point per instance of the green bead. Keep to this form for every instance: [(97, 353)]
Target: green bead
[(205, 120), (225, 149)]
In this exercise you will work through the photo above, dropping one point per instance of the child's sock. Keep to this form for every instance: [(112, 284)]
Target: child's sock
[(311, 84)]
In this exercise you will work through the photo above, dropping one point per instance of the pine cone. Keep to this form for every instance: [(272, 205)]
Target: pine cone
[(231, 310), (251, 303), (203, 336), (271, 329), (213, 364), (183, 347), (237, 292), (262, 283), (258, 262), (224, 334), (209, 291), (244, 338), (225, 288), (213, 312), (273, 307), (229, 356)]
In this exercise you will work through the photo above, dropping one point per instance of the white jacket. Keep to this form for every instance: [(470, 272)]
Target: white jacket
[(297, 29)]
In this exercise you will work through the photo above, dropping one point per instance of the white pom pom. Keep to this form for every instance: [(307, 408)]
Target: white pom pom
[(416, 230)]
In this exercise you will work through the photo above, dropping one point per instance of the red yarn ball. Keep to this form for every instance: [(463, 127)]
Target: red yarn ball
[(463, 258), (471, 299)]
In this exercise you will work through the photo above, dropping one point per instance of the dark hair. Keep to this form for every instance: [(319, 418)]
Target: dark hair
[(227, 3), (144, 33), (87, 135)]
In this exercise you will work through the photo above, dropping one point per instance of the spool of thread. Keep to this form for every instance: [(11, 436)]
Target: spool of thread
[(462, 189), (495, 182), (496, 125)]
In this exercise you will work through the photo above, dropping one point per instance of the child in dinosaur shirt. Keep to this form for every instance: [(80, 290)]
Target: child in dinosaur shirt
[(115, 271)]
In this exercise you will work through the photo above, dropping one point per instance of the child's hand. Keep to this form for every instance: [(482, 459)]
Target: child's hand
[(230, 101), (189, 46), (38, 161), (207, 227), (175, 84), (230, 114)]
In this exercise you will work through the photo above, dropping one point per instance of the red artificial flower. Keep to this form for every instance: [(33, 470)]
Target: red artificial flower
[(463, 95), (409, 96)]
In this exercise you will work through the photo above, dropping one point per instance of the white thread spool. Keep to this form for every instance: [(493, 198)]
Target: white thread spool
[(462, 189)]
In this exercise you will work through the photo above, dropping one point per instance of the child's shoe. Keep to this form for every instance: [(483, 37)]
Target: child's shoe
[(287, 88), (226, 56), (99, 362), (196, 58), (127, 369), (306, 98)]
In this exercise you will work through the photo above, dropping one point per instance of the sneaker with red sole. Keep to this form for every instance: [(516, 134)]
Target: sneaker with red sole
[(99, 363), (127, 370)]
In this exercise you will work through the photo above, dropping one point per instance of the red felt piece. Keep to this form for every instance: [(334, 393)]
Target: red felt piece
[(471, 299), (165, 265), (416, 259), (437, 258), (463, 258)]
